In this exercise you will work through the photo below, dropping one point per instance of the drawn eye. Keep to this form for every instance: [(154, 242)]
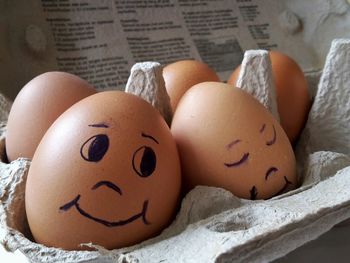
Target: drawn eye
[(95, 148), (243, 159), (144, 161)]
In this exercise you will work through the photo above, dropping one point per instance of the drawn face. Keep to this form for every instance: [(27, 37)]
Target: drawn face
[(227, 139), (93, 150), (114, 175), (271, 171)]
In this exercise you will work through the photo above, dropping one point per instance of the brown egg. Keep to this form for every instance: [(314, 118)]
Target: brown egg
[(227, 139), (37, 106), (107, 172), (293, 99), (181, 75)]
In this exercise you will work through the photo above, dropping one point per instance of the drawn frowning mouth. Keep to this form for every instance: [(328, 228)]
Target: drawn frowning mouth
[(75, 203), (254, 191)]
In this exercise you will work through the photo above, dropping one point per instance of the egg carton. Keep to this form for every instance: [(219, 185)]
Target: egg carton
[(213, 225)]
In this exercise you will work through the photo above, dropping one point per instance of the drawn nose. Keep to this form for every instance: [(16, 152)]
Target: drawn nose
[(107, 184)]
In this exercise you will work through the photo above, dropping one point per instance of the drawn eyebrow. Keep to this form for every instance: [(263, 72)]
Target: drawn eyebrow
[(229, 146), (99, 125), (273, 140), (149, 137), (262, 128)]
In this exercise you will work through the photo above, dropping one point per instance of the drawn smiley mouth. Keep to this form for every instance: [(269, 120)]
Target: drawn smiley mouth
[(75, 203), (254, 191)]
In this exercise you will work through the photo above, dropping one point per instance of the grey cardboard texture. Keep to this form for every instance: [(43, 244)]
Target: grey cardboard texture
[(212, 224)]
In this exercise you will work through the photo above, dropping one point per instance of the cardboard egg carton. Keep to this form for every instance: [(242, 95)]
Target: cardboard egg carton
[(212, 224)]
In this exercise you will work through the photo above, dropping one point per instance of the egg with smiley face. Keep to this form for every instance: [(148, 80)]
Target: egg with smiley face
[(106, 172), (227, 139)]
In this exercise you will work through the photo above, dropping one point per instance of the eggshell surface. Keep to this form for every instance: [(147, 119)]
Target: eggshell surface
[(107, 172), (39, 103), (293, 99), (227, 139), (182, 75)]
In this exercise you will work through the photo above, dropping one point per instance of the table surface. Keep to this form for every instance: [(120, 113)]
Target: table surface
[(332, 246)]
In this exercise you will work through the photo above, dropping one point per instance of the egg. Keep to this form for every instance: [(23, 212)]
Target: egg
[(37, 106), (227, 139), (181, 75), (293, 98), (106, 172)]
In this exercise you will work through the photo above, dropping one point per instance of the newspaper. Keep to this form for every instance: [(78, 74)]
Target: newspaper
[(101, 40)]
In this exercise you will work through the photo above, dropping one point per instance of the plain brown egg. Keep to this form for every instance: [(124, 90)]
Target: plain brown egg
[(37, 106), (293, 99), (107, 172), (181, 75), (227, 139)]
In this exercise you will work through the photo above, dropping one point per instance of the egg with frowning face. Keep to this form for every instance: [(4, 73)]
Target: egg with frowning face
[(107, 172), (227, 139)]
